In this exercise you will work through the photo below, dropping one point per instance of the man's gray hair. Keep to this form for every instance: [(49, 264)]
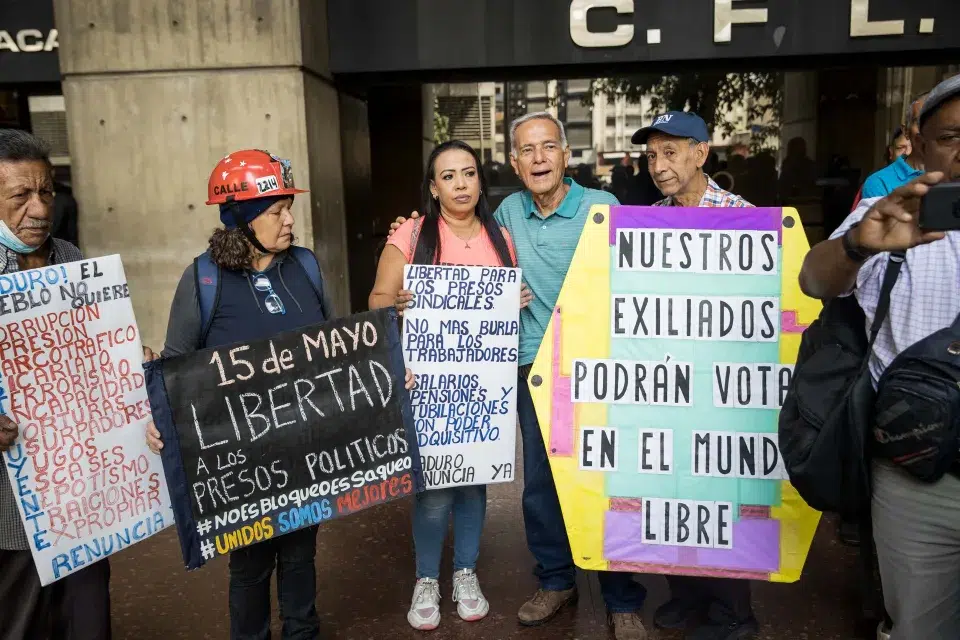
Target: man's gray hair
[(909, 117), (17, 145), (536, 115)]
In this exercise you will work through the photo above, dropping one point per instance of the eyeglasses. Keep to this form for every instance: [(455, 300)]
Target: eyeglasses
[(273, 301)]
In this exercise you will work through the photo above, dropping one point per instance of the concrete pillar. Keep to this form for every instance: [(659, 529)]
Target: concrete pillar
[(158, 91)]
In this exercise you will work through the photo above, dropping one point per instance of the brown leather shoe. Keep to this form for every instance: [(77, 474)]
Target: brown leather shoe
[(544, 605), (627, 626)]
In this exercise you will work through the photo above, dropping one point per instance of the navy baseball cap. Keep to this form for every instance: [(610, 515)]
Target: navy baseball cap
[(680, 124), (941, 94)]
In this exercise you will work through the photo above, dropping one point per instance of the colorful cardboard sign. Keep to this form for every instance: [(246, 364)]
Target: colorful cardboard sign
[(658, 386), (72, 379)]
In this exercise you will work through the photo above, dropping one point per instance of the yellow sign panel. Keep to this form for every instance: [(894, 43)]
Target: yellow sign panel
[(658, 385)]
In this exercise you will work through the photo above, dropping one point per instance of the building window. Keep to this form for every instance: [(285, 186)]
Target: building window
[(536, 90), (578, 112), (534, 106), (578, 86), (579, 137)]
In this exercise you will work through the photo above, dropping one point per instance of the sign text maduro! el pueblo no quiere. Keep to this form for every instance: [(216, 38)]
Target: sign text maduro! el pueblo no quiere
[(267, 437), (84, 482)]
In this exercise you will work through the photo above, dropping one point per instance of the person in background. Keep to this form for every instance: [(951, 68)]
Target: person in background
[(899, 145), (677, 147), (584, 175), (458, 228), (621, 178), (265, 288), (65, 214), (904, 168), (916, 525), (798, 174), (78, 606), (545, 221)]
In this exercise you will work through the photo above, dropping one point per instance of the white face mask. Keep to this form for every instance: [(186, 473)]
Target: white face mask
[(9, 240)]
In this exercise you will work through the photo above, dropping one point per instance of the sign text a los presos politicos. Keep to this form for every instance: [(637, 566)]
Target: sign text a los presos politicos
[(268, 437), (72, 380)]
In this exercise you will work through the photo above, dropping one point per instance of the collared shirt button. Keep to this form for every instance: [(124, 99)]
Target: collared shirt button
[(544, 227)]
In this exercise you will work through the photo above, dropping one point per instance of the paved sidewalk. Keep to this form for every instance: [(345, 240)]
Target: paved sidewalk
[(365, 575)]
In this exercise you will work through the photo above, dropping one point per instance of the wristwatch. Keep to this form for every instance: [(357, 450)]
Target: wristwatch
[(853, 251)]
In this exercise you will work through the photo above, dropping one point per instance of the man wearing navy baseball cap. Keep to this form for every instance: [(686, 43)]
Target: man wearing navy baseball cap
[(678, 145), (677, 148)]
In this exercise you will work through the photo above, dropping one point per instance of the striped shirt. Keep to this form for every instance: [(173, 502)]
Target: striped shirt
[(545, 247), (714, 196), (924, 299), (12, 535)]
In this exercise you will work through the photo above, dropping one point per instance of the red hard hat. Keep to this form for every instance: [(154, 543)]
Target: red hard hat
[(249, 174)]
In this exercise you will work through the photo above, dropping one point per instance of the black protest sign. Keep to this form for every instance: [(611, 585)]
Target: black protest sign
[(267, 437)]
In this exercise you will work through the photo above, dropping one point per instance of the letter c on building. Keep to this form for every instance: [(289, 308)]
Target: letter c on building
[(583, 37)]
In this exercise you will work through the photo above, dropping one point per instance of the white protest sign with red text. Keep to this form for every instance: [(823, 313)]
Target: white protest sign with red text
[(72, 379)]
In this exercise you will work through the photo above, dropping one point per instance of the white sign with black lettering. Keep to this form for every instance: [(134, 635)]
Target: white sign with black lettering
[(655, 453), (688, 523), (698, 251), (461, 340), (728, 318), (750, 385), (664, 383), (728, 454), (599, 449)]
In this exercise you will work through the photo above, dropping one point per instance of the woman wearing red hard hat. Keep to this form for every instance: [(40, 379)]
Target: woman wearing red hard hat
[(250, 284)]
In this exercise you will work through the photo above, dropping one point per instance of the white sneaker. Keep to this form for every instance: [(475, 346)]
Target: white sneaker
[(424, 614), (471, 605)]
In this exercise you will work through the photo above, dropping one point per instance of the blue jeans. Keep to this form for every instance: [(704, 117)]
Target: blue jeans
[(543, 520), (431, 515), (250, 571)]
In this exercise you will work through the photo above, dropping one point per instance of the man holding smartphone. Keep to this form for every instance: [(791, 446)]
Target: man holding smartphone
[(916, 526)]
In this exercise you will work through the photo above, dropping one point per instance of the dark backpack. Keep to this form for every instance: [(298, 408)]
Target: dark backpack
[(207, 279), (828, 409), (918, 407)]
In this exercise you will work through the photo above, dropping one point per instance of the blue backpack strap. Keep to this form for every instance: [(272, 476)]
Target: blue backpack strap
[(207, 282), (308, 261)]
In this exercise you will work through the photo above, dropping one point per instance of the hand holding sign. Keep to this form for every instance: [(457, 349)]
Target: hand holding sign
[(8, 432), (403, 300), (526, 296)]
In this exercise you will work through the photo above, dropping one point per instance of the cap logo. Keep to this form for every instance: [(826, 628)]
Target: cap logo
[(663, 120)]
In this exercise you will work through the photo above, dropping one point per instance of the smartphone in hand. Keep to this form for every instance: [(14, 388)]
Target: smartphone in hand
[(940, 208)]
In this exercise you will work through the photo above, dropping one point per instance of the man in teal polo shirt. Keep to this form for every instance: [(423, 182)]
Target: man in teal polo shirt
[(545, 221), (904, 168)]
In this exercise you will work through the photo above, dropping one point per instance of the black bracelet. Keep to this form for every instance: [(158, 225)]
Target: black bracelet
[(853, 252)]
